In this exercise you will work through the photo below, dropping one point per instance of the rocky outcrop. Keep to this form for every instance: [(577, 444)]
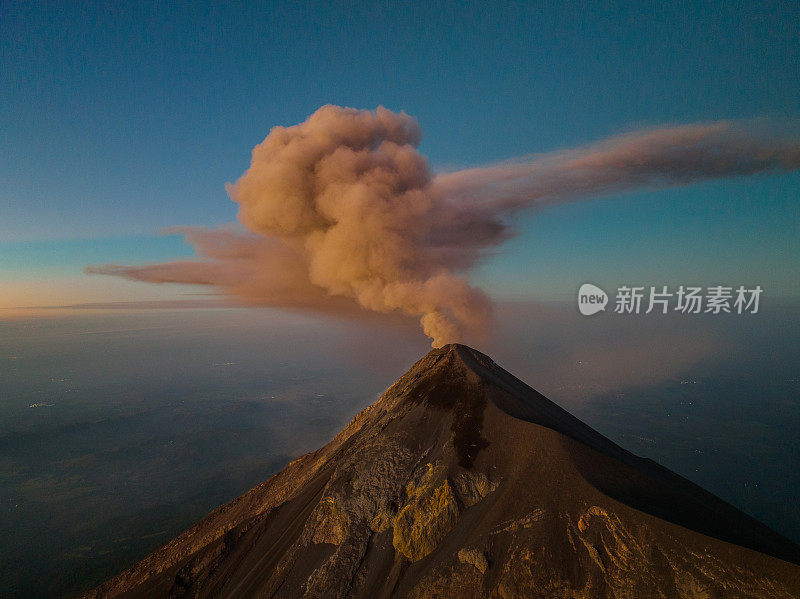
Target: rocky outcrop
[(429, 514), (330, 523), (475, 558)]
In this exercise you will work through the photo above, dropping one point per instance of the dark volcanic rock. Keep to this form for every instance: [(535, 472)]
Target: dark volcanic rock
[(462, 481)]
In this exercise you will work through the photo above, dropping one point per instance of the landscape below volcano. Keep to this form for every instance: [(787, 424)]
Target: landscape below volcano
[(462, 481)]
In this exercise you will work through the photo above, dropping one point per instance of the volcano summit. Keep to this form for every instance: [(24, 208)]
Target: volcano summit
[(462, 481)]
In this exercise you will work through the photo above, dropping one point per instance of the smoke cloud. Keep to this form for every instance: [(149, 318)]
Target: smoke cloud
[(343, 215)]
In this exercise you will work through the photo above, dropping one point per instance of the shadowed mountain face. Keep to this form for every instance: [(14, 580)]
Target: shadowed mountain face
[(462, 481)]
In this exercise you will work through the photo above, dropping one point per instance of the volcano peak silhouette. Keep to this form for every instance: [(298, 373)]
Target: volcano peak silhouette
[(463, 481)]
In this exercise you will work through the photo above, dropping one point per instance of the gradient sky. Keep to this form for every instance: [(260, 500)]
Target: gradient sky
[(118, 121)]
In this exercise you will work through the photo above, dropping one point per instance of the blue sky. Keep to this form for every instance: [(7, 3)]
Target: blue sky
[(118, 121)]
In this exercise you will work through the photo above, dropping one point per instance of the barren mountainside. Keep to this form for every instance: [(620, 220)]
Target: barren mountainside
[(462, 481)]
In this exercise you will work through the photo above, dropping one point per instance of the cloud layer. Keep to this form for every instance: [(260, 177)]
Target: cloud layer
[(343, 214)]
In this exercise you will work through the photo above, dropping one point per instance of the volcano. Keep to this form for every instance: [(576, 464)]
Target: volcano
[(463, 481)]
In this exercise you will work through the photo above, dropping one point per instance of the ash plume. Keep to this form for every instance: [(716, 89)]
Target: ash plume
[(343, 214)]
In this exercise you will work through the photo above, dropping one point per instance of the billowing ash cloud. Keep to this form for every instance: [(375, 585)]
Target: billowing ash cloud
[(344, 215)]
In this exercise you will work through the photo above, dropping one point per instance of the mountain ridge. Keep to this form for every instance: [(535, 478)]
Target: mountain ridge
[(779, 547), (461, 481)]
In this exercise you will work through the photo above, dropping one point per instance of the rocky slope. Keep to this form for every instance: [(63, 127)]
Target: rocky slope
[(462, 481)]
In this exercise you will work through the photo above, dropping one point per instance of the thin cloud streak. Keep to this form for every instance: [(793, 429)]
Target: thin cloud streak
[(649, 159)]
